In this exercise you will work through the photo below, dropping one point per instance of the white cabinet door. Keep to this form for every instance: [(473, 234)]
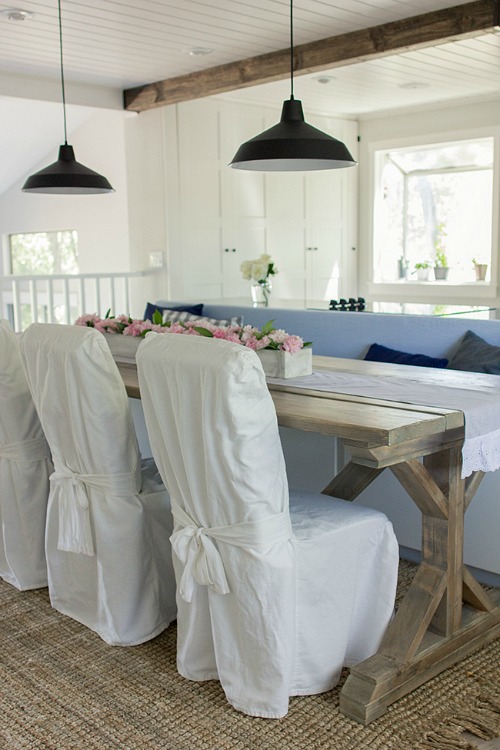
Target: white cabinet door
[(286, 233), (242, 198), (200, 200), (305, 221), (330, 257)]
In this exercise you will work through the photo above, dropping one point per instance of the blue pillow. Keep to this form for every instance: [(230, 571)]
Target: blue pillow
[(379, 353), (476, 355), (151, 309)]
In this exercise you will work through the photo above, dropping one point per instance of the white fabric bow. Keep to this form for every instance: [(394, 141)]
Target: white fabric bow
[(194, 546), (75, 533), (32, 449)]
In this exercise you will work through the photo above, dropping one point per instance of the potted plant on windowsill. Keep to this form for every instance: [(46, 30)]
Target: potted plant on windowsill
[(481, 269), (422, 269), (441, 266)]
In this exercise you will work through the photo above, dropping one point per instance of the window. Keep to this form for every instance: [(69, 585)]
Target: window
[(433, 211), (44, 252)]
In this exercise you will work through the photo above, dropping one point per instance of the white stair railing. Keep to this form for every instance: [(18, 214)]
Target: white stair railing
[(59, 298)]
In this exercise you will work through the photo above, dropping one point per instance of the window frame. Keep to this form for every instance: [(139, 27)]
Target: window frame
[(8, 251), (433, 291)]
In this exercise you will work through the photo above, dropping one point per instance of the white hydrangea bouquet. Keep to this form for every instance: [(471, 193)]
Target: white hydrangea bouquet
[(258, 270)]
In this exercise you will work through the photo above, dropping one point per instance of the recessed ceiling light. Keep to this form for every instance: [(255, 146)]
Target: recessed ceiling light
[(16, 14), (199, 51), (325, 79), (414, 85)]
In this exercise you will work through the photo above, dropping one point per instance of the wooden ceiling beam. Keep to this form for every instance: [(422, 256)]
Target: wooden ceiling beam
[(417, 32)]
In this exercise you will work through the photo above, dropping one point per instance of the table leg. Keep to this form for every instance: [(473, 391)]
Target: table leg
[(431, 629)]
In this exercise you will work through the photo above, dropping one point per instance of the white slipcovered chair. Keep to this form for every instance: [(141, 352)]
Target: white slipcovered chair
[(272, 601), (25, 468), (108, 520)]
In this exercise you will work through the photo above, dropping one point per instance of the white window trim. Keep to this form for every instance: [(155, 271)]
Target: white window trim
[(429, 291)]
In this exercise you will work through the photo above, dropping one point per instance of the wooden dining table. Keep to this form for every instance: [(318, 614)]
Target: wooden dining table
[(446, 613)]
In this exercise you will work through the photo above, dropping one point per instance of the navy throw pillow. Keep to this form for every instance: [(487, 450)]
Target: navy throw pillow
[(476, 355), (379, 353), (151, 309)]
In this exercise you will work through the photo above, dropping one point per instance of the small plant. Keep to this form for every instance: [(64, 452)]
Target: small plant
[(440, 246), (441, 259), (423, 264)]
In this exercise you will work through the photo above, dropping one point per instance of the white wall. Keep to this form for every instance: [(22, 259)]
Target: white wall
[(146, 138), (102, 221)]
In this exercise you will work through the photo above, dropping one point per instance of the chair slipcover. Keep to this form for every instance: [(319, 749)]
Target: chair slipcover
[(25, 468), (108, 521), (272, 602)]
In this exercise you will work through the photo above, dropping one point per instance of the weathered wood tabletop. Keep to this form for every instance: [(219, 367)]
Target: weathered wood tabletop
[(446, 613)]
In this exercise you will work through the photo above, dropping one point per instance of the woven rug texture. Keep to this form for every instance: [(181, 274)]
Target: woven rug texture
[(63, 688)]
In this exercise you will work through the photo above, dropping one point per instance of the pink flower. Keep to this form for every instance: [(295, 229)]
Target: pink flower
[(278, 335), (253, 338), (90, 319), (262, 343), (173, 328), (292, 344), (138, 327)]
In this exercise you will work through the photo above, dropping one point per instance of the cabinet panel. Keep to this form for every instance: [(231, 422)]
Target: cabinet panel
[(331, 262), (242, 199), (227, 216), (324, 235), (286, 228), (200, 203)]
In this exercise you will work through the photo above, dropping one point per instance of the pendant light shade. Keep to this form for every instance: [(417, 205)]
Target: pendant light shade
[(66, 176), (292, 145)]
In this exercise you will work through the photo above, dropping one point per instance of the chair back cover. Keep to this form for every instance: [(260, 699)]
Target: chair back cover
[(214, 436), (83, 408), (81, 400), (102, 565), (25, 467)]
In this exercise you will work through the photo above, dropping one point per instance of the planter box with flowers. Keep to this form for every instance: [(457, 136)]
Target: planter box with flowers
[(282, 355)]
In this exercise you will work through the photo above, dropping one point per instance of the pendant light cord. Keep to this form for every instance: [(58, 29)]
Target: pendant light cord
[(62, 73), (291, 49)]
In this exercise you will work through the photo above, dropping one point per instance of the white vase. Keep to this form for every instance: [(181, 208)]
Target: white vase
[(280, 364), (261, 293)]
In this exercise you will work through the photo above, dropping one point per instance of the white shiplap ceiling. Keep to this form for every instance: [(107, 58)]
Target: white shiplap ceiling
[(126, 43)]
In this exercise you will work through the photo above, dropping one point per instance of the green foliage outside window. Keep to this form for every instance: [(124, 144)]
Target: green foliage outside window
[(44, 252)]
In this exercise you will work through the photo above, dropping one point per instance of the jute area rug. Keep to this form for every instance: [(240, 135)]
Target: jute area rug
[(62, 687)]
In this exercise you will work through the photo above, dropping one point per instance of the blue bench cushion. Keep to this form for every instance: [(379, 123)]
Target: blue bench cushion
[(379, 353)]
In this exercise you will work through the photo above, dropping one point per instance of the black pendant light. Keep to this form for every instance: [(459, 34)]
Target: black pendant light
[(66, 176), (292, 145)]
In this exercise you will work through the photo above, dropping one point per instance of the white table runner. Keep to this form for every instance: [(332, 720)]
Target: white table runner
[(481, 408)]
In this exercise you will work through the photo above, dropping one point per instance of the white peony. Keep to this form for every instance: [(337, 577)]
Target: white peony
[(259, 269), (246, 269)]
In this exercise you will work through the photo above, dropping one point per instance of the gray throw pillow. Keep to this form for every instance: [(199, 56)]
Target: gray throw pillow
[(476, 355), (174, 316)]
